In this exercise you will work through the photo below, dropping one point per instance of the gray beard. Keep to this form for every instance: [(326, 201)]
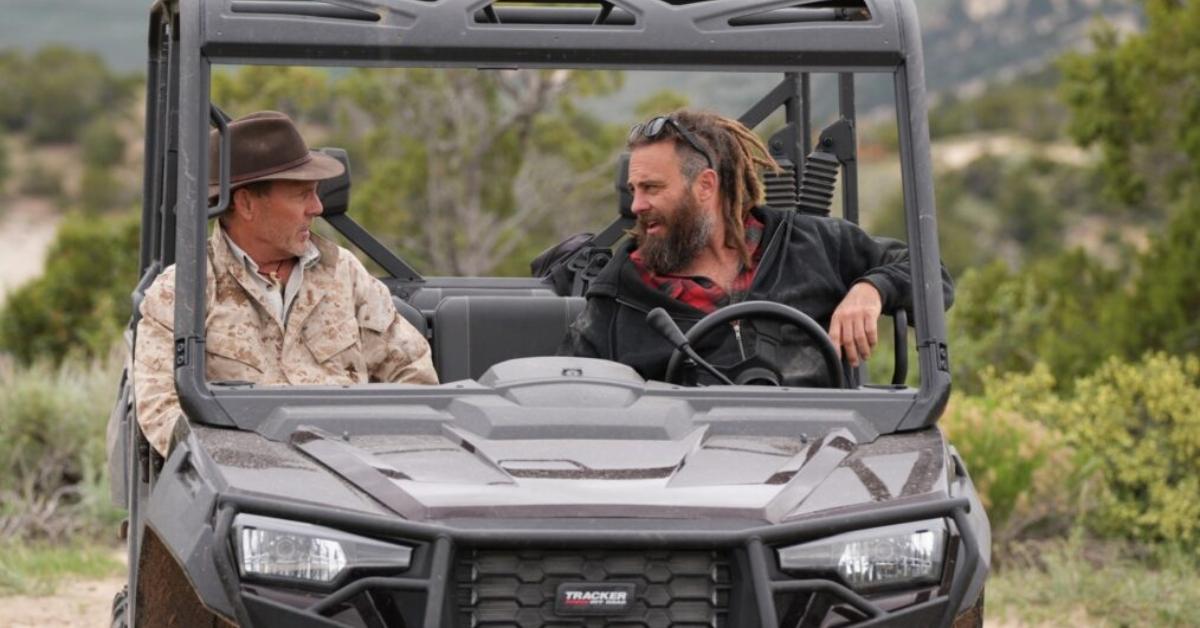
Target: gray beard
[(686, 237)]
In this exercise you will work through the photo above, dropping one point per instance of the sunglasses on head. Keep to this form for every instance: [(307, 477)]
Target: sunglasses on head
[(654, 128)]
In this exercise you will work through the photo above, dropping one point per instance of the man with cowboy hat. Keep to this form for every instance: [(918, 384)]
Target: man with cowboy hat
[(284, 306)]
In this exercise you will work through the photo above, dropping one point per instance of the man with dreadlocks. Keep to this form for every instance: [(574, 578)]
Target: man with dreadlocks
[(703, 240)]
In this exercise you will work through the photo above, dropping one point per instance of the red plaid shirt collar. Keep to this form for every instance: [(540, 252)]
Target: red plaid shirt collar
[(701, 292)]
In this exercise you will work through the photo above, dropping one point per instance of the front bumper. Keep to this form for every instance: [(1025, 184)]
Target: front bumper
[(754, 592)]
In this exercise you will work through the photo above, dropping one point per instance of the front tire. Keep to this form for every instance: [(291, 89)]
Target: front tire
[(972, 617), (120, 608)]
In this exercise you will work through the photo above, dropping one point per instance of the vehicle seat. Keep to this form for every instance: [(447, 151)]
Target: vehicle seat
[(412, 315), (471, 333)]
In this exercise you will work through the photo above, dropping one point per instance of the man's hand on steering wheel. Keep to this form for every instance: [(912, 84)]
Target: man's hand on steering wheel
[(854, 326)]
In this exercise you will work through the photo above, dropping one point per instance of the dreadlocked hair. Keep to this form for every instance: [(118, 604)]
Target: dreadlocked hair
[(739, 155)]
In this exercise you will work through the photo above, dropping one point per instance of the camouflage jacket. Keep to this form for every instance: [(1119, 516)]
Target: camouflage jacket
[(342, 329)]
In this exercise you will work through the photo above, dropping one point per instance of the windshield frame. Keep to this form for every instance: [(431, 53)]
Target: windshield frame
[(209, 32)]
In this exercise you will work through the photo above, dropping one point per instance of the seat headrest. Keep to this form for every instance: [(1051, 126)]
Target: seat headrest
[(624, 196), (335, 192)]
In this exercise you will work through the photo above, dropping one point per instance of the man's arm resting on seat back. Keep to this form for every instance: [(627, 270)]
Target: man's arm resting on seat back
[(154, 364), (877, 271), (884, 263), (394, 349)]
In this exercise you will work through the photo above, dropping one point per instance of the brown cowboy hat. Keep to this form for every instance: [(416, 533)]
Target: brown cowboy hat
[(266, 146)]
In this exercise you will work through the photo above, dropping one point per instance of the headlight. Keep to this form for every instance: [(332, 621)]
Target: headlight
[(278, 548), (866, 560)]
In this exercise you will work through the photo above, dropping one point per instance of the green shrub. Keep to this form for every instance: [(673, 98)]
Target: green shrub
[(52, 94), (5, 164), (14, 96), (102, 145), (1120, 452), (1024, 470), (66, 89), (1160, 314), (41, 180), (1053, 311), (1027, 106), (81, 303), (52, 422), (1017, 205), (100, 190), (1139, 426), (303, 93)]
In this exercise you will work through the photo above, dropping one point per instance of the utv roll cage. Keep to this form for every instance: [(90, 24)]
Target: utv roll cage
[(794, 38)]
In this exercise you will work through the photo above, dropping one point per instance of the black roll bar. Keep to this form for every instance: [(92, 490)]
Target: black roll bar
[(221, 121)]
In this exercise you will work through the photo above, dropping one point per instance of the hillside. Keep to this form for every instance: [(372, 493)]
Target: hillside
[(966, 41)]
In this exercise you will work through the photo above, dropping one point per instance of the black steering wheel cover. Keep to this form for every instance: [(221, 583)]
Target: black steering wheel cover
[(762, 309)]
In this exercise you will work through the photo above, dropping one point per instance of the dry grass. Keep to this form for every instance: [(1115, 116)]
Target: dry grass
[(52, 422), (1088, 583), (40, 569)]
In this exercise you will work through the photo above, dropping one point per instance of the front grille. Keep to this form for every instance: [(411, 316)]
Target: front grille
[(517, 588)]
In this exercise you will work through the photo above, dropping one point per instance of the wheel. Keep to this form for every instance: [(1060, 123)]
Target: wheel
[(972, 617), (120, 608), (756, 368)]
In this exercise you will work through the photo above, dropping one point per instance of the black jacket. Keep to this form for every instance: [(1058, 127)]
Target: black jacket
[(822, 259)]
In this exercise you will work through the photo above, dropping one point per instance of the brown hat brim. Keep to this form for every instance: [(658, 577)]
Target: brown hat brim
[(318, 167)]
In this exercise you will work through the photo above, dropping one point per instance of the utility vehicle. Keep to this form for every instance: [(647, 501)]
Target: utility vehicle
[(531, 490)]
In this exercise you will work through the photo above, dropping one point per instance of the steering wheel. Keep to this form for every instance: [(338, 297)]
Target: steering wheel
[(755, 368)]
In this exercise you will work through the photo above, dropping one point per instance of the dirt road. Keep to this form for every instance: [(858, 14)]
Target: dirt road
[(80, 604), (87, 604), (27, 226)]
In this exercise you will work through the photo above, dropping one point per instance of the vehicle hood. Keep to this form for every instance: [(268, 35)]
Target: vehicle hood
[(544, 438), (702, 472)]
